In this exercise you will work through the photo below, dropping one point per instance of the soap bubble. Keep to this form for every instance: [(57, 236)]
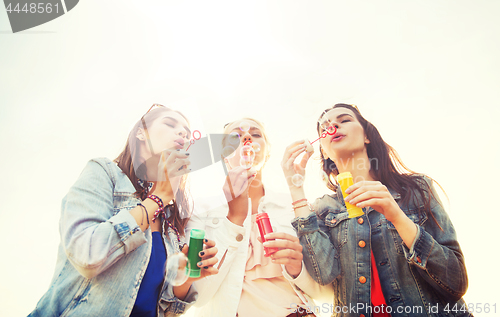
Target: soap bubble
[(324, 176), (246, 163), (234, 138), (228, 152), (247, 152), (256, 147), (297, 180), (245, 126), (178, 269)]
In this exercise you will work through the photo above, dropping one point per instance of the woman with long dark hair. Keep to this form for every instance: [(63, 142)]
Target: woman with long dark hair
[(401, 257), (119, 223)]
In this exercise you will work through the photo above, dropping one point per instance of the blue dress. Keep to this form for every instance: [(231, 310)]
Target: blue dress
[(149, 291)]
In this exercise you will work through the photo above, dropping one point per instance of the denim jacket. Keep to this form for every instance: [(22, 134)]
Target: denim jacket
[(103, 253), (417, 281)]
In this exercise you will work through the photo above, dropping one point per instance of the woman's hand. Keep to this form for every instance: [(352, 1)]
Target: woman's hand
[(236, 191), (290, 253), (172, 164), (377, 196), (208, 259), (206, 265), (290, 168)]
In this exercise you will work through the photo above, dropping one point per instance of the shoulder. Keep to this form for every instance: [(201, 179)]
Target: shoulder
[(327, 203), (103, 171)]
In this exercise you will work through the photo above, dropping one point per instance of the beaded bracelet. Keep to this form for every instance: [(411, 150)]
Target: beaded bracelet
[(157, 200)]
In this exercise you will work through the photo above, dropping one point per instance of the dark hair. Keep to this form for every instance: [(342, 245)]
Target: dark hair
[(130, 156), (385, 165)]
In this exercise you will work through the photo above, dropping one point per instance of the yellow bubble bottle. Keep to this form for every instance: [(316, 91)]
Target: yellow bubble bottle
[(345, 180)]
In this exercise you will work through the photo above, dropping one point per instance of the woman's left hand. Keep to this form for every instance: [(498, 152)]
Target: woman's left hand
[(375, 195), (290, 253)]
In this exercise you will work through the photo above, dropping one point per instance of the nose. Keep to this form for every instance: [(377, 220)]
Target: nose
[(183, 133), (246, 137)]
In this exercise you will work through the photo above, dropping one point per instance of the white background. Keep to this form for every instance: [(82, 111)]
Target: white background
[(426, 73)]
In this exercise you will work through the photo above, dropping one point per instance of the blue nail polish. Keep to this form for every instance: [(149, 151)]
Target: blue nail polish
[(202, 253), (205, 267), (200, 264)]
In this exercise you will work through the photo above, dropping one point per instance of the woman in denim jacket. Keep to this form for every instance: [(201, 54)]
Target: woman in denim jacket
[(115, 236), (402, 257)]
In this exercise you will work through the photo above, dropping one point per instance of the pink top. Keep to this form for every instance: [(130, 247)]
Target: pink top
[(265, 291)]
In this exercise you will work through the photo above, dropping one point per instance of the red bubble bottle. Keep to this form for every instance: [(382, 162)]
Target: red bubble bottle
[(264, 224)]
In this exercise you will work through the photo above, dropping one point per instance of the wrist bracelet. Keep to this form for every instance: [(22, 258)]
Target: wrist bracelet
[(298, 201), (305, 205), (157, 200), (147, 215)]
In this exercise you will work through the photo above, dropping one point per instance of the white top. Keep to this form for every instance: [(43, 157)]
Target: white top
[(219, 294)]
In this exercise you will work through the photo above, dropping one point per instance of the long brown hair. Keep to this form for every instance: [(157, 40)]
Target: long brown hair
[(385, 165), (181, 208)]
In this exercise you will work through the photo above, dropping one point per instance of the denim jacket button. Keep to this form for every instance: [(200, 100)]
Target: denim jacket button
[(333, 220), (361, 243), (362, 280), (360, 221), (419, 260), (239, 237)]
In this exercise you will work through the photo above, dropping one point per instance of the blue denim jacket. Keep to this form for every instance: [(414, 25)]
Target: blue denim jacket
[(103, 254), (417, 281)]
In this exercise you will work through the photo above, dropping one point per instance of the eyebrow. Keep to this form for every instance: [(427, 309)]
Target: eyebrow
[(251, 128), (344, 114), (176, 122)]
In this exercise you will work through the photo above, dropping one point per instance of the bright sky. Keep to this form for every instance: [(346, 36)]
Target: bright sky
[(426, 73)]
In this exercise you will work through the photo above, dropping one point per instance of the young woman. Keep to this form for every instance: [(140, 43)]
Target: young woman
[(402, 257), (249, 283), (119, 223)]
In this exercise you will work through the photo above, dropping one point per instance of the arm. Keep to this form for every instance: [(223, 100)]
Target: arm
[(437, 254), (317, 248), (305, 282), (92, 237)]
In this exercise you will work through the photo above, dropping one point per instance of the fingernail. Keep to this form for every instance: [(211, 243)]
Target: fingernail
[(178, 150), (188, 154), (205, 267), (202, 253), (200, 264), (206, 240), (265, 244), (347, 198)]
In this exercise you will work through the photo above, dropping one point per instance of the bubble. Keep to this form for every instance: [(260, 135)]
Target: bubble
[(297, 180), (256, 147), (261, 207), (234, 138), (245, 126), (178, 269), (246, 163), (324, 176), (247, 152), (228, 152)]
